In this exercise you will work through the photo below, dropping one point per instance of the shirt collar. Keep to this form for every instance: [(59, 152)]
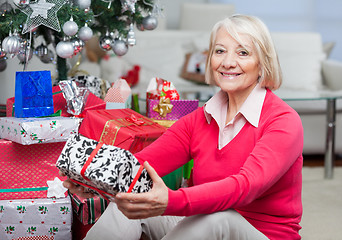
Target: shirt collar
[(250, 109)]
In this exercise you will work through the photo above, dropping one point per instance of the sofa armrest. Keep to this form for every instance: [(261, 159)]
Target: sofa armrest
[(332, 74)]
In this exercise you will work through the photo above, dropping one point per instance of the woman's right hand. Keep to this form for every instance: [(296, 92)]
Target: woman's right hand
[(75, 189)]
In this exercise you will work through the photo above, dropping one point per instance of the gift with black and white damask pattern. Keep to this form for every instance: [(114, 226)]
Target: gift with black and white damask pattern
[(103, 169)]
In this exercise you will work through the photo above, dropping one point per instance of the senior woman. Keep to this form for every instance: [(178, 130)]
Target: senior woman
[(246, 144)]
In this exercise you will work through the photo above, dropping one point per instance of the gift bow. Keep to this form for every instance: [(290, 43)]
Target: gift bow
[(163, 107), (135, 120)]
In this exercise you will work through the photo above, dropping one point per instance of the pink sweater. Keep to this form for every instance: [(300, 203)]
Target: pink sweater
[(258, 173)]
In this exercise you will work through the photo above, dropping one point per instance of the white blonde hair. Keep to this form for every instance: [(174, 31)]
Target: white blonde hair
[(271, 75)]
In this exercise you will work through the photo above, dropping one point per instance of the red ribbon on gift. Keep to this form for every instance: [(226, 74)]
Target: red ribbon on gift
[(112, 127), (101, 192), (135, 120)]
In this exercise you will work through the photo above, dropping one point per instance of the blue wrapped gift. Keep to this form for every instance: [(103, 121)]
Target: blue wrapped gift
[(33, 94)]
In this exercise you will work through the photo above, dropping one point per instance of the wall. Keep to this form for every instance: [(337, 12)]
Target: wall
[(323, 16)]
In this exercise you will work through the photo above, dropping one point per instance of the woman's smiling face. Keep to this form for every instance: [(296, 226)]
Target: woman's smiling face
[(235, 66)]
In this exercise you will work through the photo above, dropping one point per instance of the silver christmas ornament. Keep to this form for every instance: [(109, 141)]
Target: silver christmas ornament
[(2, 53), (106, 43), (41, 50), (150, 22), (78, 44), (119, 47), (70, 28), (48, 58), (85, 33), (11, 44), (83, 4), (131, 41), (25, 54), (64, 49), (3, 64)]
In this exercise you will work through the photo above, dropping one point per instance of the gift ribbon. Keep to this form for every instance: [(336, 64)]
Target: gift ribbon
[(108, 136), (135, 120), (102, 193), (163, 107), (11, 190), (141, 168)]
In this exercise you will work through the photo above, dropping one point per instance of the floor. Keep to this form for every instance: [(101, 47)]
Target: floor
[(318, 160)]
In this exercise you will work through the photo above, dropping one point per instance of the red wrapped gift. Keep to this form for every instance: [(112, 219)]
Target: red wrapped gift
[(59, 103), (25, 169), (88, 210), (159, 87), (123, 128)]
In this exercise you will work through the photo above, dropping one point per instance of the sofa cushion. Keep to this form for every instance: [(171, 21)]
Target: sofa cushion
[(332, 72), (192, 15), (300, 57)]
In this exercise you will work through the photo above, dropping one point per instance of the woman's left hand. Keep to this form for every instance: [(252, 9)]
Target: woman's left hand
[(144, 205)]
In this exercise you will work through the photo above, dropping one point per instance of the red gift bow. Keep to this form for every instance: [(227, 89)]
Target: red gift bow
[(135, 120)]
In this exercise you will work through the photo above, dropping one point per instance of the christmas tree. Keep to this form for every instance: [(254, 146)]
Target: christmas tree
[(67, 25)]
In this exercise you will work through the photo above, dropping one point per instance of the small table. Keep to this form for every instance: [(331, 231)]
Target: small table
[(330, 98)]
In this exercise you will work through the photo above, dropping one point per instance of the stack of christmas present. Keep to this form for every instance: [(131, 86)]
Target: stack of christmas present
[(40, 119), (165, 107)]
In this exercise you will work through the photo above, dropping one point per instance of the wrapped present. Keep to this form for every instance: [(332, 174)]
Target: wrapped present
[(166, 109), (33, 94), (59, 103), (123, 128), (38, 130), (94, 84), (103, 169), (26, 169), (119, 95), (159, 87), (33, 219), (88, 210)]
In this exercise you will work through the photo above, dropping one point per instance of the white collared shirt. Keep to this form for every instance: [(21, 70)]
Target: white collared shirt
[(250, 111)]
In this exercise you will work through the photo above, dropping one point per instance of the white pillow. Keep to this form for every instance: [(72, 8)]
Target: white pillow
[(300, 56)]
